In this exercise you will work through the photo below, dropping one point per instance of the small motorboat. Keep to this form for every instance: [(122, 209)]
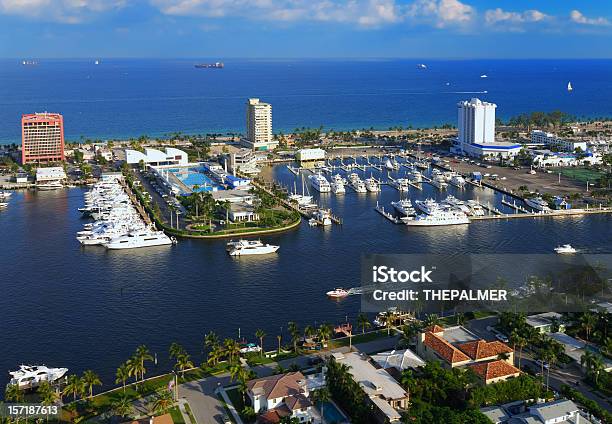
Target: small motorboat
[(565, 249), (337, 293)]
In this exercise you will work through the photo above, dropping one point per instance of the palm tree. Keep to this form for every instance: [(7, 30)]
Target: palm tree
[(279, 338), (13, 393), (163, 401), (231, 348), (211, 340), (215, 355), (432, 319), (142, 354), (122, 406), (74, 386), (133, 368), (593, 364), (389, 320), (183, 362), (295, 334), (321, 396), (122, 375), (260, 334), (91, 379), (175, 350), (588, 321), (520, 342), (48, 396), (363, 322), (325, 333)]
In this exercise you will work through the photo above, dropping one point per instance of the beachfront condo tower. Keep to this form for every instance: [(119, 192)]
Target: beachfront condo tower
[(42, 138), (259, 126), (476, 122)]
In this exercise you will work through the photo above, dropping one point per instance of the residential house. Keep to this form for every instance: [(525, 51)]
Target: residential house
[(382, 390), (458, 347), (561, 411), (283, 395), (545, 322)]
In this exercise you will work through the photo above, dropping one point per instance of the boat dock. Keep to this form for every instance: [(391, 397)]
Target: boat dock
[(513, 205), (389, 216), (552, 214), (143, 213)]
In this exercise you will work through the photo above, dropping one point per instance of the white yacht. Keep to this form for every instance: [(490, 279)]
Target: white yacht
[(439, 182), (3, 205), (389, 165), (337, 293), (50, 185), (300, 199), (337, 186), (251, 247), (569, 86), (457, 204), (146, 238), (404, 207), (475, 208), (402, 184), (458, 181), (437, 218), (427, 206), (5, 195), (29, 376), (421, 164), (538, 204), (565, 249), (319, 183), (372, 185), (323, 217), (356, 183)]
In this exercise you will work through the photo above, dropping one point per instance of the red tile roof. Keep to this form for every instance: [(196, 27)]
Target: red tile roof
[(494, 369), (444, 349), (481, 349), (278, 386)]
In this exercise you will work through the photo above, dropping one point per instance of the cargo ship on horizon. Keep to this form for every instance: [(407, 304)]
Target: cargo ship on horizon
[(216, 65)]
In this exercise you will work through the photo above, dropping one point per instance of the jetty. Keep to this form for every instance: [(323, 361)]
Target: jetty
[(389, 216)]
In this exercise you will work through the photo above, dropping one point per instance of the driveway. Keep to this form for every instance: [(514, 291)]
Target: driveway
[(204, 403)]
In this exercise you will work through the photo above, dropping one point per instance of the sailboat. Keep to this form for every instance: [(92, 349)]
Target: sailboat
[(569, 86)]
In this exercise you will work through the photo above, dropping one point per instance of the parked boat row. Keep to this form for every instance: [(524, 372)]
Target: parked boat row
[(117, 224)]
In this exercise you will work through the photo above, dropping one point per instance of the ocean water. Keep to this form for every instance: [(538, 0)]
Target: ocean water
[(84, 307), (122, 98)]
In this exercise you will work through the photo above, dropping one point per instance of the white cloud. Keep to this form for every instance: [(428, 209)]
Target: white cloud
[(65, 11), (497, 16), (442, 12), (577, 17)]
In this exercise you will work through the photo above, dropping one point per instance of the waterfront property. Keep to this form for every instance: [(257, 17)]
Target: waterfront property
[(382, 390), (285, 395), (544, 322), (259, 126), (42, 138), (50, 178), (560, 411), (155, 157), (458, 347), (199, 177)]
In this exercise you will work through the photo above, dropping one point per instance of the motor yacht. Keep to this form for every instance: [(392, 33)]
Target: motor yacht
[(404, 207), (372, 185), (475, 208), (458, 181), (337, 293), (323, 217), (438, 217), (146, 238), (30, 376), (565, 249), (427, 206), (538, 204), (319, 183), (251, 247)]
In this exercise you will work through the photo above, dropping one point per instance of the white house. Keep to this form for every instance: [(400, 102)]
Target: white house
[(282, 395), (155, 157)]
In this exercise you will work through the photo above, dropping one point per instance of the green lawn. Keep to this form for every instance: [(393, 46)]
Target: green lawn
[(177, 417), (256, 359), (579, 174), (360, 338)]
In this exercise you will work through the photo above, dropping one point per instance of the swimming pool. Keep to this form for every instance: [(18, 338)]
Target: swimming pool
[(331, 413), (195, 177)]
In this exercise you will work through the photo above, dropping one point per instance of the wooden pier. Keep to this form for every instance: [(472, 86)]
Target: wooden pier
[(389, 216)]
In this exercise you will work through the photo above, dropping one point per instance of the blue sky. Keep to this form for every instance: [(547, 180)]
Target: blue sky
[(306, 28)]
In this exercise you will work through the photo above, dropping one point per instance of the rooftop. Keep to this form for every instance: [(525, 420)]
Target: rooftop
[(400, 359), (277, 386), (493, 369), (481, 349), (374, 381)]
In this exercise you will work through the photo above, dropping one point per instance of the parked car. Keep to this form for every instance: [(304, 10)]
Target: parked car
[(501, 337)]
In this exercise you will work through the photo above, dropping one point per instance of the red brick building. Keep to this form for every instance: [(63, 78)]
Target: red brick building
[(42, 138)]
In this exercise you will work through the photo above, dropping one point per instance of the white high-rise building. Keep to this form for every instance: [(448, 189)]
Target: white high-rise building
[(259, 126), (476, 121)]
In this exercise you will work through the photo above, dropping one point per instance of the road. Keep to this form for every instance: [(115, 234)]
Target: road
[(206, 406)]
